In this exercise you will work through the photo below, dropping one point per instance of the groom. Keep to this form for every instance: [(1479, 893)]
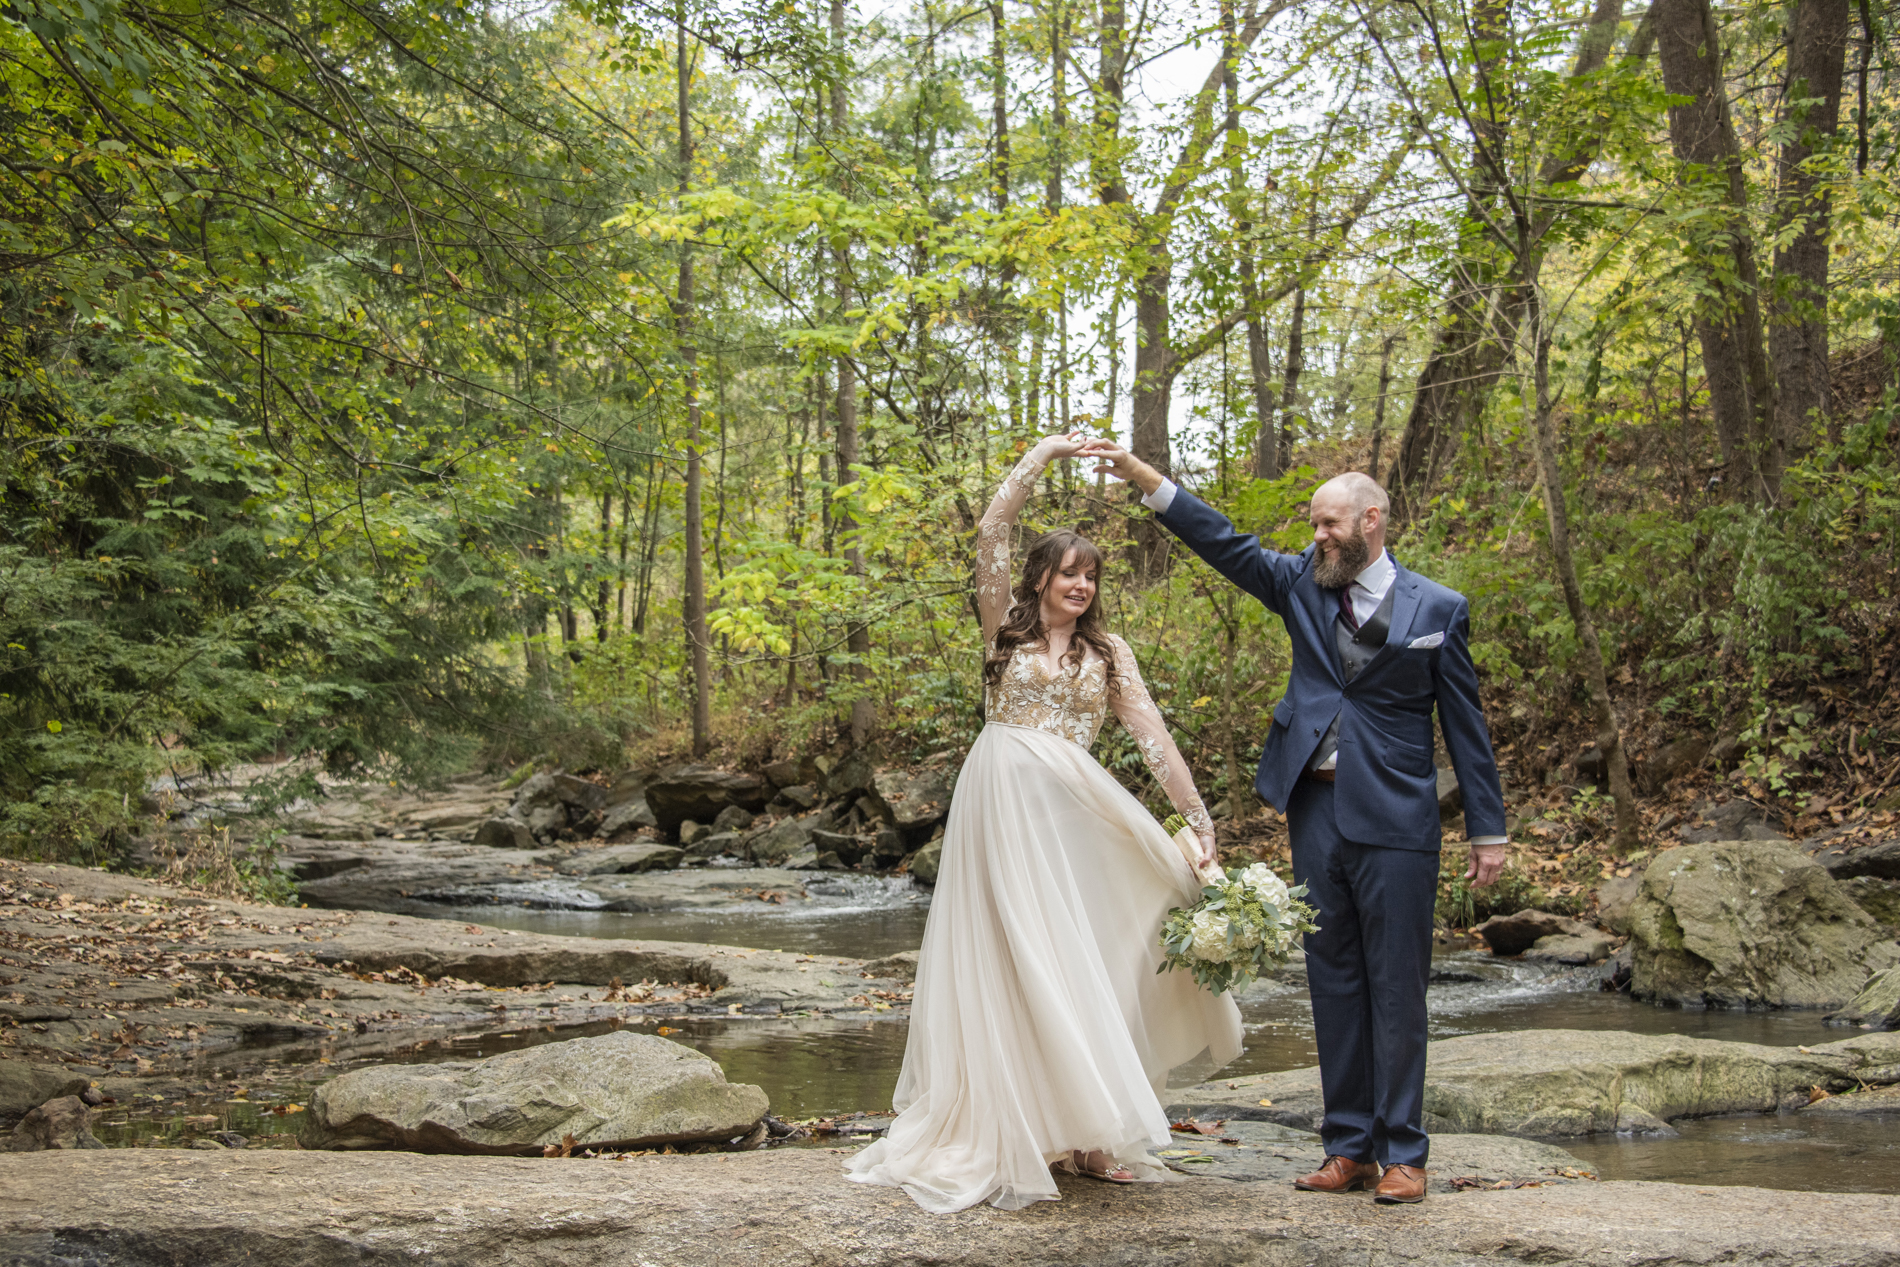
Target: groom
[(1376, 649)]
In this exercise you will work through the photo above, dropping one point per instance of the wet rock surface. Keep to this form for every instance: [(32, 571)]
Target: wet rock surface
[(1740, 923), (1265, 1152), (615, 1091), (62, 1123), (1559, 1083), (134, 1207), (151, 981), (1514, 934), (1877, 1006)]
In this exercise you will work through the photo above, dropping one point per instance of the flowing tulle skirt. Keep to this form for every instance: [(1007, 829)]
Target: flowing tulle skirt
[(1039, 1024)]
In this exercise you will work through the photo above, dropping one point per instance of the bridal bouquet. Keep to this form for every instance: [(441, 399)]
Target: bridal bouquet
[(1245, 925)]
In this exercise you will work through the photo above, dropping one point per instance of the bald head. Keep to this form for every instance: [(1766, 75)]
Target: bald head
[(1360, 491), (1348, 515)]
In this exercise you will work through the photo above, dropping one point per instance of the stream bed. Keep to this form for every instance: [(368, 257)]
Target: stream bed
[(813, 1067)]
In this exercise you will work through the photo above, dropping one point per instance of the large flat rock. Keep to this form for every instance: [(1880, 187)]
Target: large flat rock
[(152, 1207), (1266, 1152), (1577, 1082), (417, 875)]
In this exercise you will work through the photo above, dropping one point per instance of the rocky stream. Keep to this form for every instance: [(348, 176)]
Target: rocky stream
[(638, 1020)]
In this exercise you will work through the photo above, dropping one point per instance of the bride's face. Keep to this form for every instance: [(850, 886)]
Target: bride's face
[(1068, 591)]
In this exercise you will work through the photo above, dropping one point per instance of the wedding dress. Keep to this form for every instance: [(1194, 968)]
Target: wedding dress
[(1039, 1024)]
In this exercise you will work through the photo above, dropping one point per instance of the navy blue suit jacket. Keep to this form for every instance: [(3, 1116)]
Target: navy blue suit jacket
[(1387, 788)]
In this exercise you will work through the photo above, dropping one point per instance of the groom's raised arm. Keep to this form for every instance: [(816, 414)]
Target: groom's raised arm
[(1266, 574)]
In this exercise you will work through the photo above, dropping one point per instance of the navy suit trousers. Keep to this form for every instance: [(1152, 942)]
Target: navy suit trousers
[(1367, 969)]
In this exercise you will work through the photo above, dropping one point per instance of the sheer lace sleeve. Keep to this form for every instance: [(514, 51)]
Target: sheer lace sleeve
[(992, 542), (1131, 703)]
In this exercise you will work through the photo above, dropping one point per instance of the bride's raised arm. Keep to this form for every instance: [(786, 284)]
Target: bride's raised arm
[(992, 534), (1136, 710)]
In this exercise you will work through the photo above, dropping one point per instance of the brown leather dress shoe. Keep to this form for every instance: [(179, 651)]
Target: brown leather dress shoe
[(1339, 1174), (1401, 1185)]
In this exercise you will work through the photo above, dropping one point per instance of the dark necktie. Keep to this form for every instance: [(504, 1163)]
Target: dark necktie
[(1346, 612)]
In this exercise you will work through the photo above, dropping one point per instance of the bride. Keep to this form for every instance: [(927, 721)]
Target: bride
[(1040, 1033)]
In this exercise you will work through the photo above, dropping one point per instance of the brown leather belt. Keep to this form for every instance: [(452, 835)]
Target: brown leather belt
[(1324, 776)]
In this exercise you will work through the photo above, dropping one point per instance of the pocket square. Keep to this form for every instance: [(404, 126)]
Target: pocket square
[(1426, 643)]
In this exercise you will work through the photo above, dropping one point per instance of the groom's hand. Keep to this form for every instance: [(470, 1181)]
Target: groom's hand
[(1486, 862), (1123, 465)]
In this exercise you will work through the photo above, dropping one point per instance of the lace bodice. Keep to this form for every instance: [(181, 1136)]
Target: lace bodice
[(1073, 701)]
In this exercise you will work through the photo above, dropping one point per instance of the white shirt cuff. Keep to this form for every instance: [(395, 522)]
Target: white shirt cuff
[(1489, 840), (1162, 498)]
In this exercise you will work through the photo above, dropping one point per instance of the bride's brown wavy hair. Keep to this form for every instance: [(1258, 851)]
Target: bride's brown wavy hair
[(1022, 624)]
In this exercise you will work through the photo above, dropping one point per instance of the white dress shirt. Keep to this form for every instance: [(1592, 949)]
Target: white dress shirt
[(1368, 590)]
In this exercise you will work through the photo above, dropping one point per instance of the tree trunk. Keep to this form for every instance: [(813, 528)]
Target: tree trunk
[(1290, 386), (694, 596), (1478, 333), (1589, 649), (1153, 390), (1378, 404), (857, 632), (1728, 323), (1797, 338)]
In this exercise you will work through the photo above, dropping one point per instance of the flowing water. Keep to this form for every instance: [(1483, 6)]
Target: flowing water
[(818, 1067)]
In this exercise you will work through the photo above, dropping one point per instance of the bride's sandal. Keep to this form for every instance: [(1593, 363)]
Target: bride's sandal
[(1113, 1172)]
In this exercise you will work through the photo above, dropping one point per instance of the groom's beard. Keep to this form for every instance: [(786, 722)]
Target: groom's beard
[(1349, 559)]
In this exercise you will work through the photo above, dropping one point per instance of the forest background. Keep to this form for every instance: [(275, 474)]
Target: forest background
[(402, 386)]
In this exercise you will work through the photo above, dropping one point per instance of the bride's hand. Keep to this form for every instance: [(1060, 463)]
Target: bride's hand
[(1210, 855), (1062, 446)]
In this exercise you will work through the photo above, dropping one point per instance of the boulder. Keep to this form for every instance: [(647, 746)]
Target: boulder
[(926, 861), (61, 1123), (1879, 898), (720, 842), (699, 792), (812, 859), (851, 775), (901, 966), (732, 818), (887, 847), (628, 816), (1877, 1006), (1673, 759), (803, 795), (850, 849), (781, 839), (1730, 820), (782, 773), (580, 795), (1741, 923), (1575, 1082), (1587, 947), (691, 833), (537, 790), (24, 1086), (505, 833), (1615, 897), (613, 1091), (629, 785), (1514, 934), (912, 801), (620, 860), (1852, 859)]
